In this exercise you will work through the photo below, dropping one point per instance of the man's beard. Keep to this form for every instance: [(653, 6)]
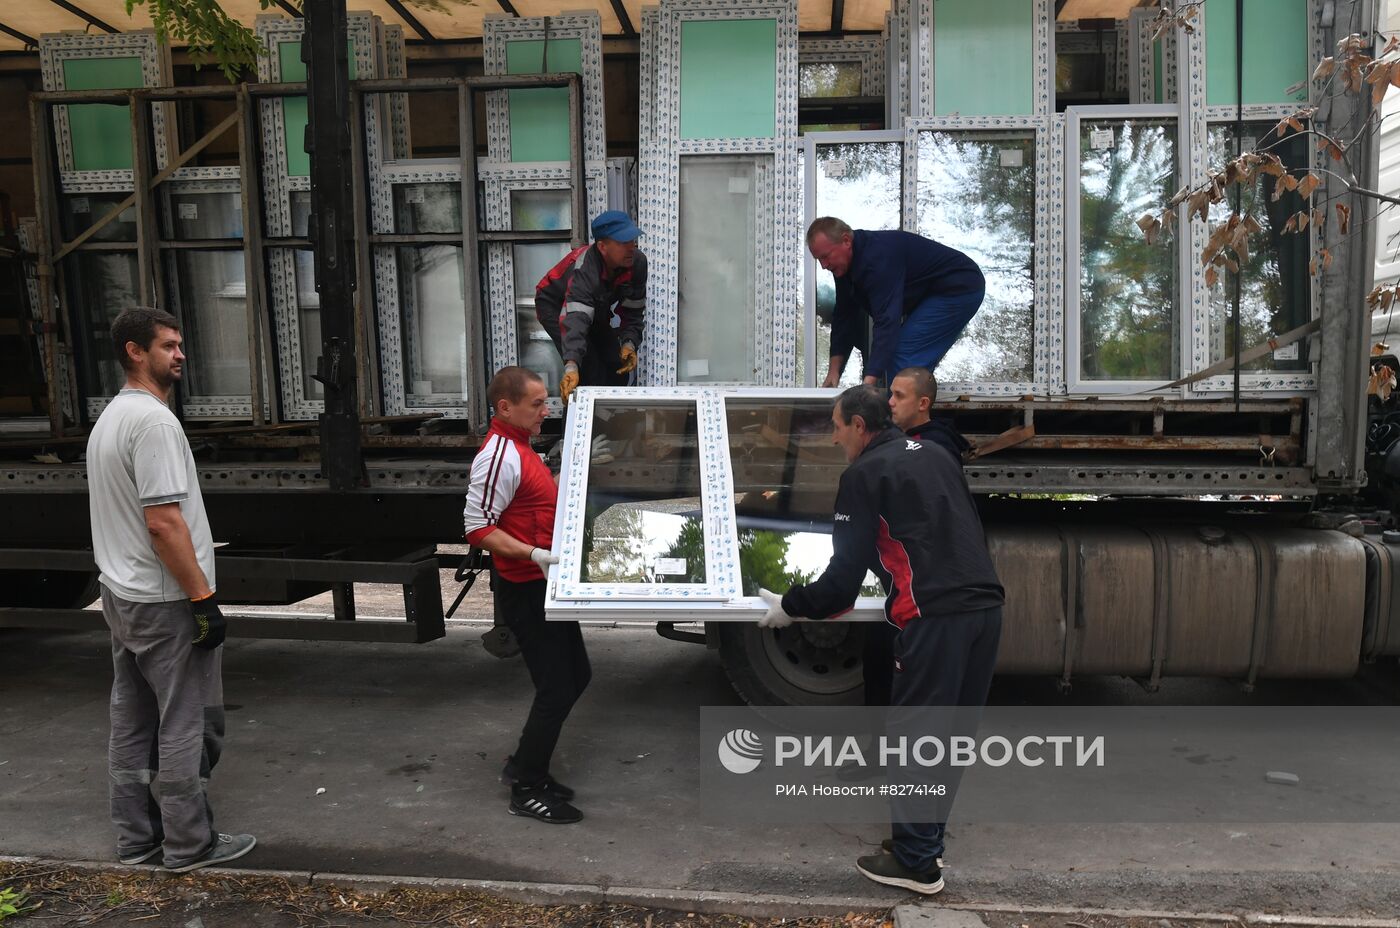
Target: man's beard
[(167, 378)]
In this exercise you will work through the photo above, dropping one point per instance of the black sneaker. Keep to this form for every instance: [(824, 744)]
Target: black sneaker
[(132, 858), (510, 777), (887, 846), (224, 849), (540, 803), (884, 868)]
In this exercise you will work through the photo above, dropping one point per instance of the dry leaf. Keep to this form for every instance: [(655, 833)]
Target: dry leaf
[(1324, 69), (1212, 278), (1343, 218), (1308, 184)]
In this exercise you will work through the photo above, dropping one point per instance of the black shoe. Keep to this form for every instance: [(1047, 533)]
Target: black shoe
[(510, 777), (540, 803), (886, 869), (887, 847)]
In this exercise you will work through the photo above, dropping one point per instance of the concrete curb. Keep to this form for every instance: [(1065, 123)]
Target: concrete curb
[(712, 902)]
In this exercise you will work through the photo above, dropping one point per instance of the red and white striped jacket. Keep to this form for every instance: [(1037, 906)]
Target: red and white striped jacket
[(511, 490)]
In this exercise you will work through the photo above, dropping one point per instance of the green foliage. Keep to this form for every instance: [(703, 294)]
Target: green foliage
[(14, 902), (208, 31)]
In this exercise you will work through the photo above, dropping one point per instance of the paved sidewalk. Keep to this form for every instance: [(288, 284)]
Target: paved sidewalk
[(382, 759)]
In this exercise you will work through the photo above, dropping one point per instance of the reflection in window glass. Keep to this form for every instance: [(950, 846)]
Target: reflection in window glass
[(785, 471), (212, 301), (428, 208), (537, 209), (101, 285), (861, 183), (81, 210), (976, 193), (643, 522), (828, 79), (1274, 283), (434, 324), (1128, 288), (726, 259), (308, 313)]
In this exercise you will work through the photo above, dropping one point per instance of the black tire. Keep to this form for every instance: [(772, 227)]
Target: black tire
[(48, 589), (805, 664)]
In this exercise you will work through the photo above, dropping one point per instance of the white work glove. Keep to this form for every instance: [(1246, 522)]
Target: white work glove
[(776, 617), (543, 557)]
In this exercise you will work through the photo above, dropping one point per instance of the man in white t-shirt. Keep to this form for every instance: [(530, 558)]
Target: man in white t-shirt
[(151, 541)]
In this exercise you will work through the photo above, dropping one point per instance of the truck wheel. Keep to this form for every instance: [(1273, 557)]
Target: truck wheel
[(805, 664), (48, 589)]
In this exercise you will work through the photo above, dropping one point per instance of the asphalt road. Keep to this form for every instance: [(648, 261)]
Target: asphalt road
[(383, 759)]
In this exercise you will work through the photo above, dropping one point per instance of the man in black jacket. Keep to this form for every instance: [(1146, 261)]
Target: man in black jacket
[(913, 391), (904, 511)]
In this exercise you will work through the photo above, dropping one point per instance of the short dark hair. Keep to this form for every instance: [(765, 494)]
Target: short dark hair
[(868, 402), (829, 226), (510, 384), (925, 384), (138, 324)]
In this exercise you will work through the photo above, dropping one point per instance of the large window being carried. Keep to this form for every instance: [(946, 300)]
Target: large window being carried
[(692, 499)]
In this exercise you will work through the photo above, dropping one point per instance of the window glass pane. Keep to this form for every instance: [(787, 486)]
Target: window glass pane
[(191, 215), (101, 285), (302, 264), (434, 324), (983, 57), (1275, 288), (300, 203), (212, 299), (861, 183), (428, 208), (976, 193), (1128, 288), (829, 79), (725, 265), (539, 119), (79, 211), (643, 520), (785, 471), (729, 79), (537, 209), (100, 132), (1276, 54)]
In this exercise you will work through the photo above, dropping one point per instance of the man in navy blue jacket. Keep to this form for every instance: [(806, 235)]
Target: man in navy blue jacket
[(919, 294), (904, 511)]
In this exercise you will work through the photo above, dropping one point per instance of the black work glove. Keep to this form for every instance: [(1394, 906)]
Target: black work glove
[(210, 626)]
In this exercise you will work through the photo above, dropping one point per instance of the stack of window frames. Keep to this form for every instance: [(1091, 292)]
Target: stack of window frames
[(526, 175), (94, 145), (724, 195)]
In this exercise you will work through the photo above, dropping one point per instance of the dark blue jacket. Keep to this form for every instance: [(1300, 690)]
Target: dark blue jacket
[(905, 513), (890, 274)]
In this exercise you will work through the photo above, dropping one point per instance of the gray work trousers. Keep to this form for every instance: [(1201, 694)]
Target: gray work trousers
[(167, 715)]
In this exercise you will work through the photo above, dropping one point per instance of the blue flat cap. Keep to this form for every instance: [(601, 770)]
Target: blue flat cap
[(616, 225)]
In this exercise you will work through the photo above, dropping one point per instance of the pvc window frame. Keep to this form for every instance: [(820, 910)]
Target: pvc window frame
[(1048, 341), (775, 354), (868, 51), (566, 599), (279, 185), (920, 47), (1075, 383)]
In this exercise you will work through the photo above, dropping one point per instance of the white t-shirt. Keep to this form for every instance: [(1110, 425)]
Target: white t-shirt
[(137, 456)]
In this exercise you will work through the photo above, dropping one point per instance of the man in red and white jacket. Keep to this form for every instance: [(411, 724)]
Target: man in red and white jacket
[(510, 513)]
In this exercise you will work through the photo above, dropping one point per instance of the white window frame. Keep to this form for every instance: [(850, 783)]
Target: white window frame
[(643, 602), (1048, 352), (868, 51), (1075, 383)]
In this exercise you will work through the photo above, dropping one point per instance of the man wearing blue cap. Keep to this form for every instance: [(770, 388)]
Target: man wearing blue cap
[(581, 296)]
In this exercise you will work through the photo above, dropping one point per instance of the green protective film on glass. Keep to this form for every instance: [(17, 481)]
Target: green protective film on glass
[(729, 79), (539, 119), (983, 57), (294, 119), (1159, 66), (1275, 51), (101, 133)]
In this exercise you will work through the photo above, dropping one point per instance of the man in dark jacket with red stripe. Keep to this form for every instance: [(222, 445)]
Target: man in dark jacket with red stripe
[(904, 511), (593, 305), (510, 512)]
